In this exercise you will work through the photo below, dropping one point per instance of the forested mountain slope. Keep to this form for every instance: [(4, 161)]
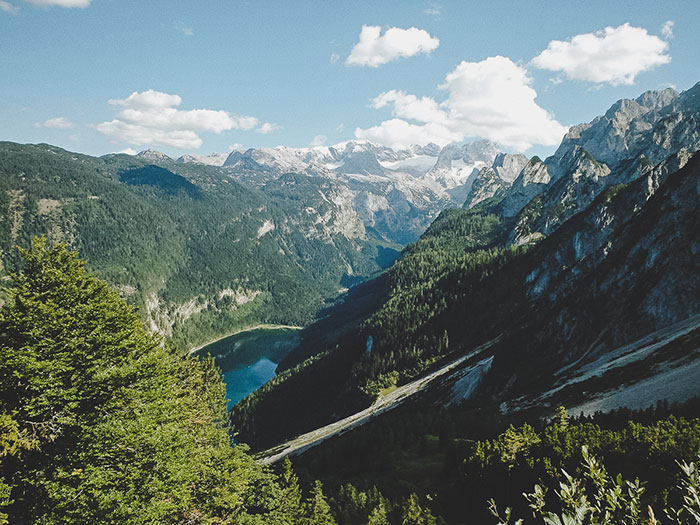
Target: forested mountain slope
[(200, 253), (548, 285)]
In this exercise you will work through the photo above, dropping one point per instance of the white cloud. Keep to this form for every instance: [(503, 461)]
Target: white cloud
[(614, 55), (375, 49), (148, 100), (236, 146), (57, 122), (411, 107), (8, 7), (318, 140), (491, 99), (128, 151), (340, 127), (334, 58), (150, 118), (60, 3), (399, 134), (667, 29), (268, 127)]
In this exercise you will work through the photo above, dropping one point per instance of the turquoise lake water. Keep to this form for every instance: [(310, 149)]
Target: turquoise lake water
[(249, 359)]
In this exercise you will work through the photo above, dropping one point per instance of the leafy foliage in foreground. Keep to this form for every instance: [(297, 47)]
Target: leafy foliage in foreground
[(596, 498), (101, 422)]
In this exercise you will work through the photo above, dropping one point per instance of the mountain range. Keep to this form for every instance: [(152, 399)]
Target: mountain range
[(183, 239), (395, 193), (555, 276), (452, 299)]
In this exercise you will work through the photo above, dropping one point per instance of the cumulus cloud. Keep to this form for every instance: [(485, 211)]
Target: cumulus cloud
[(268, 127), (57, 122), (318, 140), (491, 99), (614, 55), (375, 48), (151, 118), (60, 3), (411, 107), (667, 29), (8, 7), (399, 134), (128, 151)]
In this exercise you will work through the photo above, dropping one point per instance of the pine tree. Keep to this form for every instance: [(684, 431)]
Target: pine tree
[(100, 421), (413, 514), (378, 515), (291, 507), (318, 510)]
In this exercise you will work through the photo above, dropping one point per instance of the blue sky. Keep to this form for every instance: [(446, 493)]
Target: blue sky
[(107, 75)]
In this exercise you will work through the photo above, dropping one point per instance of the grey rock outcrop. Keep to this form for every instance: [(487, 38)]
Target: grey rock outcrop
[(494, 181)]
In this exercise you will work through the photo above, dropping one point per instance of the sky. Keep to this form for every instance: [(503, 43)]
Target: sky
[(101, 76)]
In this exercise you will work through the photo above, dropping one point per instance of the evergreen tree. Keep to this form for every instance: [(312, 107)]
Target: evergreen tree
[(413, 514), (318, 510), (378, 515), (291, 507), (100, 421)]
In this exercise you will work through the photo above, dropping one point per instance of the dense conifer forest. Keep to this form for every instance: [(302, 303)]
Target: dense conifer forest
[(103, 422)]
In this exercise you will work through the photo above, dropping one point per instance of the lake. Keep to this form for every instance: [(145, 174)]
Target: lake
[(249, 359)]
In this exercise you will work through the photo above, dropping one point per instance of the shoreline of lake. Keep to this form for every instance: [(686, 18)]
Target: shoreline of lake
[(249, 358), (243, 330)]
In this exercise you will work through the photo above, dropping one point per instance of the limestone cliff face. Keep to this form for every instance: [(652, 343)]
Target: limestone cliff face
[(624, 267), (618, 147), (395, 194), (495, 180)]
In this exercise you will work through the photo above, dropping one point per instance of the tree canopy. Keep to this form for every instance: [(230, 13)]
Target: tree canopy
[(100, 421)]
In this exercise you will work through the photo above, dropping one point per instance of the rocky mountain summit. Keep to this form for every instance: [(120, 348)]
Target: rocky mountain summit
[(495, 180), (618, 147), (395, 193)]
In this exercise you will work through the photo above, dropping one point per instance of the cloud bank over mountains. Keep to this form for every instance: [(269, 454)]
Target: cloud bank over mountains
[(152, 118), (494, 98), (491, 99)]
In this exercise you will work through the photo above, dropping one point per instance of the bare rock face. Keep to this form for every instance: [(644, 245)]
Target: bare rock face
[(395, 194), (495, 180), (619, 133), (532, 180), (616, 148)]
